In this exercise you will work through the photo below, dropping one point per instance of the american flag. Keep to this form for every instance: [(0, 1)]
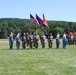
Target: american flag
[(33, 20)]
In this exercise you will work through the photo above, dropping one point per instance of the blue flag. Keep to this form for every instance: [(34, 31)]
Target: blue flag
[(33, 20), (39, 19)]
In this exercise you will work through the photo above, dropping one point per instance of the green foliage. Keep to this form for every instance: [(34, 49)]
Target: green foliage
[(20, 25), (59, 29), (3, 32)]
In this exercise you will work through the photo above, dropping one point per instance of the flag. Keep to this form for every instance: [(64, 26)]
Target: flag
[(70, 32), (33, 20), (74, 33), (44, 21), (39, 19)]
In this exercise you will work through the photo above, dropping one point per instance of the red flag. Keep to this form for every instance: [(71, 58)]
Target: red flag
[(74, 33), (70, 32), (33, 20), (44, 21)]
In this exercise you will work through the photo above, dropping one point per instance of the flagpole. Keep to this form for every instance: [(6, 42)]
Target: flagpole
[(36, 28)]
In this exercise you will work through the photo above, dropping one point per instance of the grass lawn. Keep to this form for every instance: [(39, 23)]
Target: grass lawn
[(38, 61)]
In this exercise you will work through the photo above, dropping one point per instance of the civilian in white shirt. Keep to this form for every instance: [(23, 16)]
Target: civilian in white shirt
[(18, 41), (57, 40), (64, 40)]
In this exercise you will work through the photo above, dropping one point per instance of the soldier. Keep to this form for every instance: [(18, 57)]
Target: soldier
[(50, 39), (11, 39), (31, 40), (75, 39), (36, 40), (24, 41), (34, 34), (43, 38), (72, 39), (27, 38), (69, 39)]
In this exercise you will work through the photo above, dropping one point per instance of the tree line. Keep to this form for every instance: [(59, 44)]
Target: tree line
[(21, 25)]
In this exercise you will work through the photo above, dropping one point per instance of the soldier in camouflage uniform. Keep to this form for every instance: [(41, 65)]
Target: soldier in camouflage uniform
[(31, 40), (36, 39), (27, 38), (23, 40), (69, 39), (43, 38), (34, 34), (75, 39), (72, 39), (50, 39)]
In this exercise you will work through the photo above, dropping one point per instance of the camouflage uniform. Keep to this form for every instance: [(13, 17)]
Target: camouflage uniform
[(75, 39), (72, 39), (43, 38), (69, 39), (24, 41), (31, 41), (27, 38), (36, 40), (50, 39)]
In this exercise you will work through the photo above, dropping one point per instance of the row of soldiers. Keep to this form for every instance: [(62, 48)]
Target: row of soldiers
[(71, 39), (32, 40)]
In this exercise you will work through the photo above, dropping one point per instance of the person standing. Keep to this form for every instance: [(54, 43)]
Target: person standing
[(36, 40), (31, 40), (50, 39), (57, 40), (18, 41), (75, 39), (11, 40), (69, 39), (27, 38), (24, 41), (43, 38), (64, 40), (72, 39)]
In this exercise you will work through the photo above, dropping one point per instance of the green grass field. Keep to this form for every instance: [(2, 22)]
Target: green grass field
[(38, 61)]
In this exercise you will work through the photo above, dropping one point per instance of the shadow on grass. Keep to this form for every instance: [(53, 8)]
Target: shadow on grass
[(36, 49)]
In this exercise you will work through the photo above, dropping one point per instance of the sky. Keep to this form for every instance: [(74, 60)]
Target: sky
[(58, 10)]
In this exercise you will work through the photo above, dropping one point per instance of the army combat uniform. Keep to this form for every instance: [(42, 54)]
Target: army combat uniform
[(75, 39), (43, 38), (31, 41), (36, 40), (50, 39), (24, 41), (27, 38)]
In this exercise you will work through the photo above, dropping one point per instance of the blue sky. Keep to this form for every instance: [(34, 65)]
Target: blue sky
[(58, 10)]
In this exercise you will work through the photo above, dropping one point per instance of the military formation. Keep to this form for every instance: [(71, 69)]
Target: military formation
[(31, 40), (71, 39)]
